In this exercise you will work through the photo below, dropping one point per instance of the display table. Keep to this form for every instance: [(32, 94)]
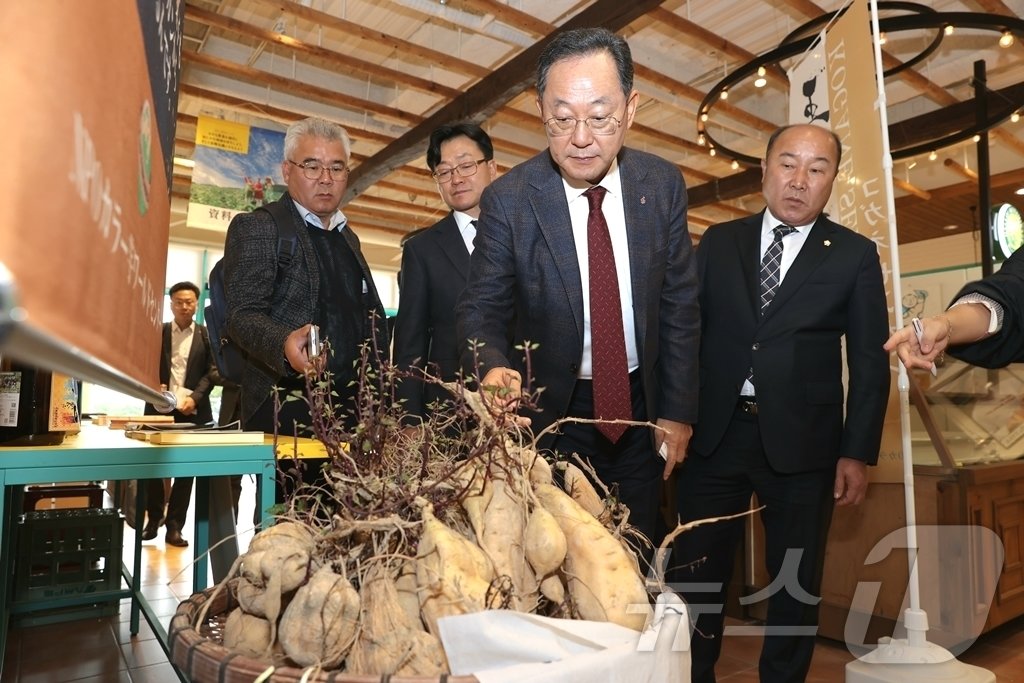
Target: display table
[(98, 453)]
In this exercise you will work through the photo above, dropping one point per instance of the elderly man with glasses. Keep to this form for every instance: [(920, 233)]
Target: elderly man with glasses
[(585, 251), (435, 265), (281, 282)]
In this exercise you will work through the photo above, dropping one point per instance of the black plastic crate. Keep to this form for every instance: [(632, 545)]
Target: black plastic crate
[(71, 556)]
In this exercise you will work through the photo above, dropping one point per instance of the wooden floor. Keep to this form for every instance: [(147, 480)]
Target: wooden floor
[(100, 650)]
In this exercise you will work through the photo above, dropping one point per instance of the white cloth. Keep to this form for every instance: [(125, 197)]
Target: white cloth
[(499, 646)]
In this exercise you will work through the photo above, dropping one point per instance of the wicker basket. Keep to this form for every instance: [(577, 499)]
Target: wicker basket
[(202, 659)]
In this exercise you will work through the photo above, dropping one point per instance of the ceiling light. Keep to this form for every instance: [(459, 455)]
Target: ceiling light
[(933, 156), (976, 138), (882, 38), (724, 94), (735, 164), (911, 165), (712, 151), (704, 116), (950, 227), (1006, 40), (948, 29), (761, 80), (1019, 191), (701, 140), (1015, 117)]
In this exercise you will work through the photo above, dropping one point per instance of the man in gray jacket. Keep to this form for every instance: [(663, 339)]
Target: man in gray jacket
[(326, 283)]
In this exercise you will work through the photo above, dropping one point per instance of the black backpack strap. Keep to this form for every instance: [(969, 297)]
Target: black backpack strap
[(287, 239)]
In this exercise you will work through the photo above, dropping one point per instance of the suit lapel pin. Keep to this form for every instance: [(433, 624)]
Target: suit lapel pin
[(828, 243), (643, 199)]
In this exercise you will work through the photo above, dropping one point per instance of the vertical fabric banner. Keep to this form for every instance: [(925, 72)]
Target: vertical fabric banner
[(89, 110), (238, 169), (834, 87)]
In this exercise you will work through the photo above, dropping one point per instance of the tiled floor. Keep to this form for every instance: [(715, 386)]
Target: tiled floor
[(100, 650)]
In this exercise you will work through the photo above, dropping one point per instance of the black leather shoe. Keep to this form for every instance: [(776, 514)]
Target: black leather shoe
[(149, 533), (174, 538)]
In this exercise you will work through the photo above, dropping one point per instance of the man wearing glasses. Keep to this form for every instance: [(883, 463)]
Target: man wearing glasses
[(435, 264), (585, 248), (273, 302)]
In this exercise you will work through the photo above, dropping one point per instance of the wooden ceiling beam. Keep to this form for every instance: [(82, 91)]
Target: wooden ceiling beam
[(344, 63), (291, 86), (485, 97), (403, 49), (512, 17)]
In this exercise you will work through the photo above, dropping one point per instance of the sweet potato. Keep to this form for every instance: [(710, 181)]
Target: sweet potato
[(545, 543), (319, 624), (582, 491), (247, 634), (389, 642), (604, 581), (504, 527), (452, 574)]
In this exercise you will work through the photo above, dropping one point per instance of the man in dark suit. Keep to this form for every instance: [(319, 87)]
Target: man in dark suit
[(186, 370), (771, 397), (617, 340), (326, 283), (435, 264)]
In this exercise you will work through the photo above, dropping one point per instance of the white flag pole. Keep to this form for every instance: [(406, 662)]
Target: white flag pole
[(913, 658)]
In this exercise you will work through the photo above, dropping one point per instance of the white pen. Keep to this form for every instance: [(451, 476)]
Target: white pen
[(919, 331)]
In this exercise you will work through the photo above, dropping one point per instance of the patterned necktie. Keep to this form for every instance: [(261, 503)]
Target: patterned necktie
[(609, 367), (771, 268)]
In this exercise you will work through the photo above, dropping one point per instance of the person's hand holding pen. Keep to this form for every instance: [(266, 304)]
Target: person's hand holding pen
[(921, 342)]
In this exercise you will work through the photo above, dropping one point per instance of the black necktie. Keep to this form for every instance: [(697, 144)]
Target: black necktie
[(471, 234), (609, 367)]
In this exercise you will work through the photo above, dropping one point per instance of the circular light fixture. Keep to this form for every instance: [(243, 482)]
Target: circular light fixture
[(948, 29), (1006, 40), (735, 164), (976, 138), (933, 155), (724, 94), (1015, 117), (919, 17), (712, 151), (761, 81), (701, 140)]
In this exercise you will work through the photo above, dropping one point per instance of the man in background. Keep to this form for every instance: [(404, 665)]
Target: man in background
[(187, 370), (435, 265), (585, 249), (780, 290)]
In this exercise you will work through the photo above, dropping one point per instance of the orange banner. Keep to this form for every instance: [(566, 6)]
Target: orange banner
[(89, 121)]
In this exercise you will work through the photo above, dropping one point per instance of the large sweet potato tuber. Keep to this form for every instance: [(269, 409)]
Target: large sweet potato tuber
[(319, 624), (453, 575), (604, 581)]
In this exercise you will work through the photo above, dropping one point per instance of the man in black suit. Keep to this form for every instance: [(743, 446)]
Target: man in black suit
[(435, 264), (187, 371), (585, 248), (771, 397), (326, 283)]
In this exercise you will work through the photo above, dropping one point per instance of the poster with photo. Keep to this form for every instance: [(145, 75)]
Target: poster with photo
[(237, 169)]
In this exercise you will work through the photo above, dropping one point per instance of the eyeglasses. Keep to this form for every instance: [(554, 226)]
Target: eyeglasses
[(464, 170), (559, 126), (314, 170)]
